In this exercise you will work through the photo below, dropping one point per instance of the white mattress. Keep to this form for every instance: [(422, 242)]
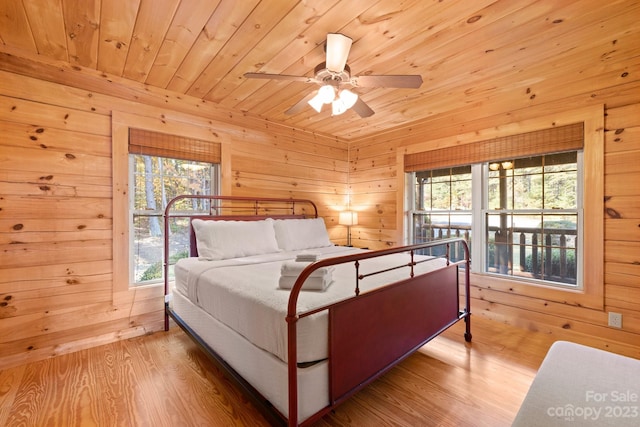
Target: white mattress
[(265, 372), (243, 294)]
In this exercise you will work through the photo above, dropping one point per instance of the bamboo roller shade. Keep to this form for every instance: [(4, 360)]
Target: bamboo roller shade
[(176, 147), (545, 141)]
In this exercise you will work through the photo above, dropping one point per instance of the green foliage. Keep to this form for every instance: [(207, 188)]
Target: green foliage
[(562, 224), (152, 273), (156, 181), (570, 274), (570, 271), (167, 178), (155, 270), (534, 190)]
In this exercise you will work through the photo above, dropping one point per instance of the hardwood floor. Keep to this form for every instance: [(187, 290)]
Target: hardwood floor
[(165, 380)]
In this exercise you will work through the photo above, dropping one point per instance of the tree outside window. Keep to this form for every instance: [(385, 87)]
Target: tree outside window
[(443, 210), (155, 181), (532, 217), (530, 212)]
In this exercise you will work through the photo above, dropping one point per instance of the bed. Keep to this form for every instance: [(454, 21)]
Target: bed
[(300, 323)]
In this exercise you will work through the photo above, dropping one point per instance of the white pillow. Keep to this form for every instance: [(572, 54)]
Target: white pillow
[(233, 239), (298, 234)]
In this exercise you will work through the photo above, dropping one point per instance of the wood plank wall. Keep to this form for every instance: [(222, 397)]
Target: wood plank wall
[(375, 186), (56, 275), (57, 290)]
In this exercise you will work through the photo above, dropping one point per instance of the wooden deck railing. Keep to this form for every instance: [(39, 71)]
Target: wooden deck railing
[(548, 254)]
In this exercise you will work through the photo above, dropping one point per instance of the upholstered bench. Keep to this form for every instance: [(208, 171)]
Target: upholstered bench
[(582, 386)]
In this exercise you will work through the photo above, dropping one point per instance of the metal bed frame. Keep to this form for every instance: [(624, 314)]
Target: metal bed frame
[(362, 347)]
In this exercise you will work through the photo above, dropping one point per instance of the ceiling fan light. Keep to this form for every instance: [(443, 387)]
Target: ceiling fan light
[(338, 107), (327, 94), (316, 102), (348, 98), (338, 47)]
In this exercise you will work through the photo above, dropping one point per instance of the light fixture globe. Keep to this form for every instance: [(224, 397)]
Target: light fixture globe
[(348, 98), (316, 103), (327, 94), (338, 107)]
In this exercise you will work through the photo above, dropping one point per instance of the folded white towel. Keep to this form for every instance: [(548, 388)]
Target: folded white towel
[(311, 284), (294, 268), (307, 256)]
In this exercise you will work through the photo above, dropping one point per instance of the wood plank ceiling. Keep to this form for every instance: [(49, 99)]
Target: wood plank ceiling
[(468, 52)]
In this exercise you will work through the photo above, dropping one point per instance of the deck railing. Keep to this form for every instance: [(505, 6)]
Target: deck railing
[(533, 252)]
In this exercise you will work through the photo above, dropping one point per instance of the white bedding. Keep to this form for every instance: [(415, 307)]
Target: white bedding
[(244, 294), (265, 372)]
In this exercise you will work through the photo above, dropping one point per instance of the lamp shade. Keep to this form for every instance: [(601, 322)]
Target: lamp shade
[(348, 98), (316, 103), (348, 218), (327, 94), (338, 107)]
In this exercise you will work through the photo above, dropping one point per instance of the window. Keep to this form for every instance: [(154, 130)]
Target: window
[(580, 130), (162, 166), (529, 210), (525, 201), (443, 206), (531, 218), (155, 180)]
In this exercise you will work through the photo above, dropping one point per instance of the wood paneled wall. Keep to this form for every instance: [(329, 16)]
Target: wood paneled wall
[(376, 181), (57, 289)]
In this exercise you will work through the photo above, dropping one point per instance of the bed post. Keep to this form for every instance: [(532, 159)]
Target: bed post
[(467, 290), (292, 369), (292, 346)]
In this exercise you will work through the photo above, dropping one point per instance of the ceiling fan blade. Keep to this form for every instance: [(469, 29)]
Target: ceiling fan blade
[(298, 106), (362, 108), (338, 47), (400, 81), (280, 77)]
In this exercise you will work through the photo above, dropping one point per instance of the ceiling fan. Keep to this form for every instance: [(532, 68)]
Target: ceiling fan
[(333, 74)]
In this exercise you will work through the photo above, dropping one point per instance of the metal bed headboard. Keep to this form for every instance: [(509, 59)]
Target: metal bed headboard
[(231, 208)]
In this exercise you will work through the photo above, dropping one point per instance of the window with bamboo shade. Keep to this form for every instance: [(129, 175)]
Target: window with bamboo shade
[(172, 146), (574, 131), (545, 141), (163, 166)]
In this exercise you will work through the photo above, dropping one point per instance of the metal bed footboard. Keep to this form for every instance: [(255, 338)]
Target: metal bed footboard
[(371, 332)]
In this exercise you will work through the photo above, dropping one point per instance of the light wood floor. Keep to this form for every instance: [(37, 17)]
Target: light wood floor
[(165, 380)]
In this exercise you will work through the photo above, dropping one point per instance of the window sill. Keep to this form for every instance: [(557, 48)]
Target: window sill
[(517, 288)]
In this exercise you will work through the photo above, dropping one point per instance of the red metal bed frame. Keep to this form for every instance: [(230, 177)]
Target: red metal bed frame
[(361, 346)]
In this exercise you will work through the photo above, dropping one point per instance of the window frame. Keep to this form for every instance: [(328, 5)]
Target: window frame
[(214, 190), (578, 211), (450, 212), (592, 293), (480, 191), (177, 124)]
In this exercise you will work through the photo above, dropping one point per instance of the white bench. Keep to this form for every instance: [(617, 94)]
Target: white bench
[(582, 386)]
